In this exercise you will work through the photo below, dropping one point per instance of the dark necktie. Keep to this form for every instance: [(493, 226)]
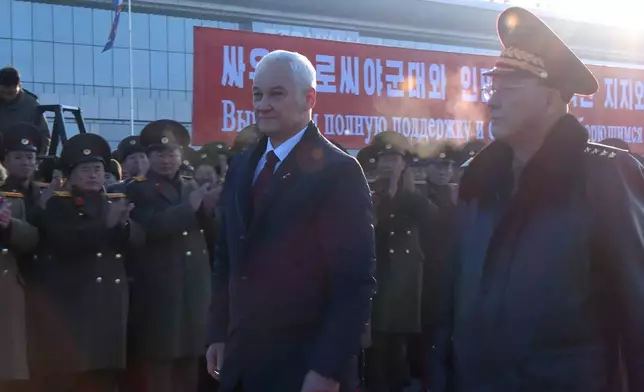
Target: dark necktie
[(263, 181)]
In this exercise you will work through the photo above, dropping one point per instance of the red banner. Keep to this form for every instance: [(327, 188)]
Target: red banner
[(367, 89)]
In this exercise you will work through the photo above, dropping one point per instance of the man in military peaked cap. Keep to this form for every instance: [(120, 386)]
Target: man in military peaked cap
[(171, 293), (133, 158), (550, 242), (80, 334)]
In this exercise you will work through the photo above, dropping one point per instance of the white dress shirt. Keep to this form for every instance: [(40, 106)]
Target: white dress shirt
[(281, 151)]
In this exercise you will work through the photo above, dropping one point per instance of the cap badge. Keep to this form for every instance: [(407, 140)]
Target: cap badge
[(132, 142), (24, 141), (87, 151), (186, 162), (165, 140), (372, 160), (204, 156), (442, 155), (472, 153), (388, 147)]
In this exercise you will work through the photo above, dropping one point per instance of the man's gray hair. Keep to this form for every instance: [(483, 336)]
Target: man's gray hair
[(303, 71)]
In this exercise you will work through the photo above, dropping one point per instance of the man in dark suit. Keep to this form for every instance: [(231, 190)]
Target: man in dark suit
[(293, 270), (546, 289)]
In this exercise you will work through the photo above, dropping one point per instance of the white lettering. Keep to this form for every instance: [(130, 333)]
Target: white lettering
[(325, 66), (395, 81), (350, 75), (234, 67), (373, 77), (469, 85), (228, 111), (328, 125), (438, 81), (627, 94), (609, 101), (416, 80), (255, 56)]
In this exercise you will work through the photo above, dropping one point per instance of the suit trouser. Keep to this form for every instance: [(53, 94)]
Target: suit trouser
[(177, 375), (387, 365), (90, 381)]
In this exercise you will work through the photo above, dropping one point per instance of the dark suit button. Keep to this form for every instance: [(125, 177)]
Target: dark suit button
[(244, 278)]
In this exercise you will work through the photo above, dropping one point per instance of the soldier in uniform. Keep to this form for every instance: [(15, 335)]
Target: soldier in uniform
[(18, 105), (132, 156), (81, 339), (367, 158), (113, 175), (18, 238), (546, 288), (406, 223), (171, 274)]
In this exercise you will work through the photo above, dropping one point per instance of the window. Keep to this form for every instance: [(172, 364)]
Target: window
[(23, 59), (159, 69), (83, 67), (21, 20), (5, 19), (190, 27), (141, 61), (82, 25), (140, 31), (44, 24), (176, 34), (189, 65), (64, 63), (177, 71), (5, 52), (121, 67), (102, 24), (64, 26), (43, 62), (103, 68), (158, 32)]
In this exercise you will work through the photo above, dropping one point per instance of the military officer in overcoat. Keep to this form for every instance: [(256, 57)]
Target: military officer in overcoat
[(406, 223), (132, 156), (171, 274), (17, 238), (81, 339), (547, 286)]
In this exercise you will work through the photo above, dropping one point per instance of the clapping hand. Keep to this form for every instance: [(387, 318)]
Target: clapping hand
[(5, 214)]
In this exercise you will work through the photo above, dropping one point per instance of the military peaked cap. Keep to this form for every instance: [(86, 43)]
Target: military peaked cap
[(22, 137), (85, 147), (163, 134)]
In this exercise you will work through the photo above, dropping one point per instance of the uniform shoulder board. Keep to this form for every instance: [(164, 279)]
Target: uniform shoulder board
[(467, 163), (41, 184), (12, 195), (138, 179), (62, 194), (600, 150), (29, 93), (187, 178), (116, 195)]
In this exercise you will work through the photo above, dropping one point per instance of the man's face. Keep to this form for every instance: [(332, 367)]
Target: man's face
[(110, 179), (516, 103), (165, 162), (280, 105), (21, 164), (136, 164), (88, 177), (440, 173), (206, 174), (8, 93), (390, 166)]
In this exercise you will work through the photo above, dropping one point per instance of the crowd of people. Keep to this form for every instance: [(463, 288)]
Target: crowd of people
[(284, 264)]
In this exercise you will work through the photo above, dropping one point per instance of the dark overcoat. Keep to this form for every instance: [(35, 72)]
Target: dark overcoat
[(170, 275), (18, 239), (24, 109), (293, 280), (405, 252), (81, 317), (548, 281)]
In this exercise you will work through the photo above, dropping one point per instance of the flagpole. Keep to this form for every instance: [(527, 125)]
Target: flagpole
[(129, 21)]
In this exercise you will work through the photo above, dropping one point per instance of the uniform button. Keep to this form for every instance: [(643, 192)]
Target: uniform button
[(391, 251), (99, 255), (80, 214), (5, 272), (392, 215), (407, 251), (244, 278), (118, 256), (392, 234), (117, 281), (205, 252), (99, 279), (201, 231), (188, 253), (35, 257), (5, 251), (408, 232), (185, 233)]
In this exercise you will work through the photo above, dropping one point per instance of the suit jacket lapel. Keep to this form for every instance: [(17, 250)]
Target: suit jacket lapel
[(288, 172), (243, 193)]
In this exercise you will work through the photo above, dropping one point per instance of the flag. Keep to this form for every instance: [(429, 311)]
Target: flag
[(118, 7)]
